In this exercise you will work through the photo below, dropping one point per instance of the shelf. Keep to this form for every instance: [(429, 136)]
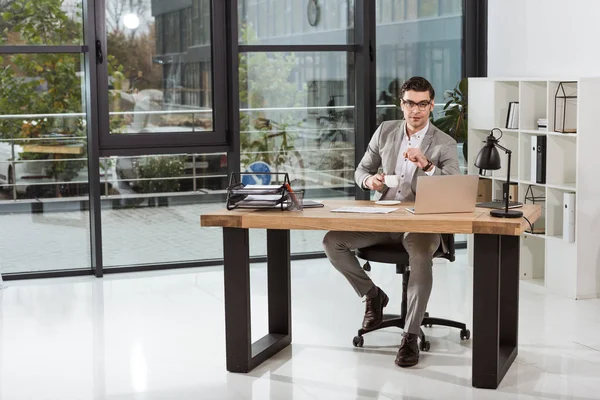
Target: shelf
[(569, 187), (560, 266), (532, 103), (565, 135), (534, 131)]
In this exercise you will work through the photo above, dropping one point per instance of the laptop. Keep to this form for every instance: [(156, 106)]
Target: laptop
[(443, 194)]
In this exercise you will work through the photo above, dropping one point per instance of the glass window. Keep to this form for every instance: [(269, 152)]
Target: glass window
[(311, 22), (43, 163), (450, 7), (297, 116), (412, 9), (431, 49), (435, 54), (25, 22), (152, 214), (159, 66), (429, 8)]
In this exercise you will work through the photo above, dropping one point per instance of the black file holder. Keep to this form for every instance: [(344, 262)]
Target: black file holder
[(274, 197)]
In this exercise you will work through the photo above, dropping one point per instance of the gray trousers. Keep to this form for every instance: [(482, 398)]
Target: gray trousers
[(420, 247)]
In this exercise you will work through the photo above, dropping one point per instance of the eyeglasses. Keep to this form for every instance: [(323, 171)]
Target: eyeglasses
[(422, 106)]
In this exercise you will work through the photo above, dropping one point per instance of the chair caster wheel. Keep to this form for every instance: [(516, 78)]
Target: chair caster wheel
[(358, 341), (465, 334), (425, 345), (427, 316)]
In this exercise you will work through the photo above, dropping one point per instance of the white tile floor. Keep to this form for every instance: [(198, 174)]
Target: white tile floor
[(160, 335)]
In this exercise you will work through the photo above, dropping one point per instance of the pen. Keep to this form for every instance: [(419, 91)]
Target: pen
[(292, 195)]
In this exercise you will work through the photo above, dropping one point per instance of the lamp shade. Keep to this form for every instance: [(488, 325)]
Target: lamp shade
[(488, 158)]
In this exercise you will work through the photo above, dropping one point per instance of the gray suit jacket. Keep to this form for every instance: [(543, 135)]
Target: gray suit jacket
[(384, 147)]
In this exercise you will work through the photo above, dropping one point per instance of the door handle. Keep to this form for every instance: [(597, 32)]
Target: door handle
[(99, 54)]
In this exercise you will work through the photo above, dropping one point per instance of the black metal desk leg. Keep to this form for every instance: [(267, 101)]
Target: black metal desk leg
[(495, 307), (236, 259), (279, 282), (242, 354)]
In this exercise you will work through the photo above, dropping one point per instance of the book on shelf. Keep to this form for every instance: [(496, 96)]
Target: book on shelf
[(540, 168), (542, 124), (512, 116)]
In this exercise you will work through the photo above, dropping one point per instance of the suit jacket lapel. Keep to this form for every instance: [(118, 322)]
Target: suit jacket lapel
[(427, 139), (390, 166)]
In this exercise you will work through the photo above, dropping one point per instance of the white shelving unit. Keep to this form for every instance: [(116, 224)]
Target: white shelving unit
[(565, 268)]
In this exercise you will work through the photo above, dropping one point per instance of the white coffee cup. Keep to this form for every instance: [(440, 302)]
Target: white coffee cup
[(391, 180)]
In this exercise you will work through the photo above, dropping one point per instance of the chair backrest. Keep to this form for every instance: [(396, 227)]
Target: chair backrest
[(396, 254), (449, 255)]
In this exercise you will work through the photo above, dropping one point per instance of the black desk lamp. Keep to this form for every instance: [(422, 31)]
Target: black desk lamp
[(488, 158)]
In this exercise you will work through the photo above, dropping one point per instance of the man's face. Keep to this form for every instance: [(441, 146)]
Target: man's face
[(416, 106)]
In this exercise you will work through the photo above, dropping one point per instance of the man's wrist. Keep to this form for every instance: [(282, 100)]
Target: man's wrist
[(364, 183), (428, 166)]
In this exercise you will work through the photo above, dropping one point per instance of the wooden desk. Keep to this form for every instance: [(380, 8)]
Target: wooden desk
[(495, 275)]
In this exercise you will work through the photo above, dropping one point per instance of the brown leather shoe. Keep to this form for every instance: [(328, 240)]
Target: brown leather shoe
[(374, 310), (408, 354)]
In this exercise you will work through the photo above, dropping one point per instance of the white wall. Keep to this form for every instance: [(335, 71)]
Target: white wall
[(543, 38)]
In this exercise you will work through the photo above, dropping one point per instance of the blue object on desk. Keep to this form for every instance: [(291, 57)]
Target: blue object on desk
[(260, 174)]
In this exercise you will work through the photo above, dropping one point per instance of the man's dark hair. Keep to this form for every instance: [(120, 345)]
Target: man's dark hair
[(417, 84)]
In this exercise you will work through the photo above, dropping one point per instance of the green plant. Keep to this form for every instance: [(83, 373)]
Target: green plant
[(454, 114), (155, 168), (47, 83)]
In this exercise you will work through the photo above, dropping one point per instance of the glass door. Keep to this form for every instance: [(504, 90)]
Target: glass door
[(43, 138)]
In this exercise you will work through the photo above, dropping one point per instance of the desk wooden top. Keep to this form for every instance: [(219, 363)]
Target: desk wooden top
[(400, 220)]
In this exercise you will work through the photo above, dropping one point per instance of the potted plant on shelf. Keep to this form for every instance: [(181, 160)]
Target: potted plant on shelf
[(453, 119)]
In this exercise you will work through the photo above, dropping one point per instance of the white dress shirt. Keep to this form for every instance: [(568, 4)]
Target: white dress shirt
[(405, 169)]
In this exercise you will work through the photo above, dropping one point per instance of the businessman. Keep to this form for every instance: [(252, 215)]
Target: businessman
[(408, 149)]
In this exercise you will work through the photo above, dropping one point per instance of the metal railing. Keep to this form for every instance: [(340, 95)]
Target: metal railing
[(305, 133)]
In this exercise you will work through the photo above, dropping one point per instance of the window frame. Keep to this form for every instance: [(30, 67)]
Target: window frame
[(172, 142)]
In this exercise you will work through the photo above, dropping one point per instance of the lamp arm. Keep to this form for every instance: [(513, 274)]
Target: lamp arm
[(507, 151), (507, 177)]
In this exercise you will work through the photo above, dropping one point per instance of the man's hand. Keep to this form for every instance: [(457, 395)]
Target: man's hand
[(415, 155), (375, 182)]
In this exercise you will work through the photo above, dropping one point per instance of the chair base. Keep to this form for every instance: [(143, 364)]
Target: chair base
[(398, 321)]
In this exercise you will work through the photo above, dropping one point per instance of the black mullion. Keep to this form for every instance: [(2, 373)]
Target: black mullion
[(90, 68), (103, 121), (474, 38), (219, 68), (366, 120), (233, 88), (34, 49)]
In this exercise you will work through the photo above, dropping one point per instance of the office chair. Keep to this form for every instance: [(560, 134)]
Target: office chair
[(394, 253)]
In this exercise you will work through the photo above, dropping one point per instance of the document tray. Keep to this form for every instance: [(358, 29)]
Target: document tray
[(273, 195)]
